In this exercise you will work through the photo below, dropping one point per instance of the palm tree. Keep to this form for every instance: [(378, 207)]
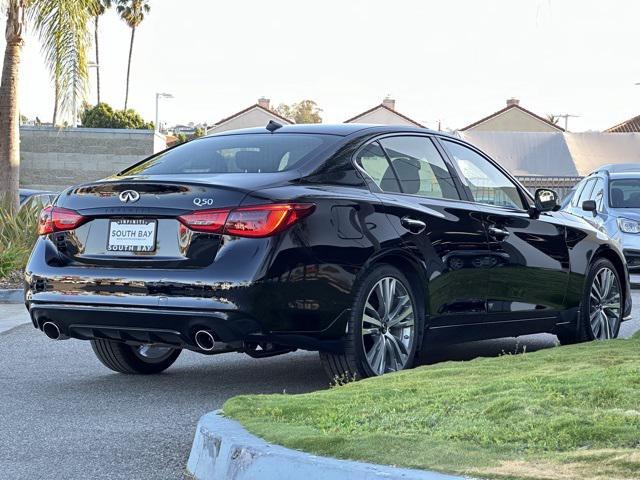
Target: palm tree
[(62, 28), (133, 13), (103, 6)]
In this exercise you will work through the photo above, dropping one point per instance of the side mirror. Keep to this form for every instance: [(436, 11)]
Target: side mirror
[(589, 206), (546, 200)]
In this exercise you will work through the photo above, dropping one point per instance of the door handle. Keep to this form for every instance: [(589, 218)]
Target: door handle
[(413, 225), (498, 233)]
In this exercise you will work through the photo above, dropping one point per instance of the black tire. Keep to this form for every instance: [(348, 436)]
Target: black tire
[(583, 331), (123, 358), (352, 363)]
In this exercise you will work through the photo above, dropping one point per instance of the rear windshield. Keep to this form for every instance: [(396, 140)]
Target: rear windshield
[(255, 153), (625, 193)]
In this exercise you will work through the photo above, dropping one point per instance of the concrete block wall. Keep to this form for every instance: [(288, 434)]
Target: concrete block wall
[(53, 158)]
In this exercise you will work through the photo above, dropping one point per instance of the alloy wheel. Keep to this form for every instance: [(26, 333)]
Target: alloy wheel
[(604, 304), (152, 353), (388, 326)]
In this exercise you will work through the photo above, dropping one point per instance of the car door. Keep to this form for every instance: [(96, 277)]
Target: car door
[(436, 225), (530, 267)]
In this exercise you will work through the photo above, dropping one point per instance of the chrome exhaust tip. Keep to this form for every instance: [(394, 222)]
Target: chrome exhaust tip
[(205, 340), (52, 331)]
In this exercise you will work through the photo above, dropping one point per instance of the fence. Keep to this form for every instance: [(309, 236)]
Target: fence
[(562, 185)]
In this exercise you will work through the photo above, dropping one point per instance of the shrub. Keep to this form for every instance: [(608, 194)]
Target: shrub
[(103, 116), (18, 234)]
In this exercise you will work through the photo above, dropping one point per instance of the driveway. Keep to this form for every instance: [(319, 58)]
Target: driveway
[(63, 415)]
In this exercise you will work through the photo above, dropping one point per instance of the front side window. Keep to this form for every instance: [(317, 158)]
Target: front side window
[(598, 193), (586, 192), (419, 167), (577, 191), (488, 185), (250, 153), (625, 193)]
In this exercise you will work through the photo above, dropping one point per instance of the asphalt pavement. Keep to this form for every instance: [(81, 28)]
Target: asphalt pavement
[(64, 416)]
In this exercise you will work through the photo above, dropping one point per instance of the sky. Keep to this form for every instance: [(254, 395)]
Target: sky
[(452, 61)]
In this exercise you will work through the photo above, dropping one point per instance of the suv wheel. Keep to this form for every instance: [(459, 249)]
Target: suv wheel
[(601, 307), (141, 359), (383, 330)]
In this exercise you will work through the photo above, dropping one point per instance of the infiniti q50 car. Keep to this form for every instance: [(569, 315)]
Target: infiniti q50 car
[(365, 243)]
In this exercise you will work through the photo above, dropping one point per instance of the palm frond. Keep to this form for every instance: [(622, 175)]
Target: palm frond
[(133, 12), (62, 28)]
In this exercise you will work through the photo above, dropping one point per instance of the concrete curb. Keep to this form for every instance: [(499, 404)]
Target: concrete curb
[(12, 295), (223, 449)]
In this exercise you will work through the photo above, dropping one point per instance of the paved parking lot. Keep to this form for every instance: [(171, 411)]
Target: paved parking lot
[(64, 416)]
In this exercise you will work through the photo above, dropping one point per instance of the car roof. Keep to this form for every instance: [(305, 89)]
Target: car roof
[(618, 168), (621, 175), (341, 129)]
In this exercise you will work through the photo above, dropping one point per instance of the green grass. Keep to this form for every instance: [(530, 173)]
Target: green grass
[(567, 412)]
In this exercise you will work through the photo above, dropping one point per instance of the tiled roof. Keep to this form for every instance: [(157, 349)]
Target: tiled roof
[(509, 107), (628, 126), (386, 108), (251, 107)]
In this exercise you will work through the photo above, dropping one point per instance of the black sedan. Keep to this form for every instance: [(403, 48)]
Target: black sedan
[(365, 243)]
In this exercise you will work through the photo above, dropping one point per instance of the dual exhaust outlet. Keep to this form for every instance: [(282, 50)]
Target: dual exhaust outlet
[(204, 338)]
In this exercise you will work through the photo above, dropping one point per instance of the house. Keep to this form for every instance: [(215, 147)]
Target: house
[(628, 126), (384, 114), (257, 115), (513, 118)]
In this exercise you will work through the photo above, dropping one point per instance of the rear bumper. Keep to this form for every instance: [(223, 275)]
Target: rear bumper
[(142, 325)]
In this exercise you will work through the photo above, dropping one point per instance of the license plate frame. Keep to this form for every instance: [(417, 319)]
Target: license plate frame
[(136, 243)]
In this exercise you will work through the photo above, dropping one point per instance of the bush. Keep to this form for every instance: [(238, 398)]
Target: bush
[(18, 234), (103, 116)]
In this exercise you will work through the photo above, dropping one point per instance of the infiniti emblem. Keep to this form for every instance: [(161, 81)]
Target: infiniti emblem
[(129, 196)]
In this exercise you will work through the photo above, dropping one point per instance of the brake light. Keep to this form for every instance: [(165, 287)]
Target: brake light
[(265, 220), (209, 221), (56, 219), (254, 222)]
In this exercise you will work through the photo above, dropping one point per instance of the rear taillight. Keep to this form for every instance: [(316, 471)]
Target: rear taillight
[(265, 220), (258, 221), (210, 221), (56, 219)]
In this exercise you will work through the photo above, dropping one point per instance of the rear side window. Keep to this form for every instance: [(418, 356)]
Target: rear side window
[(419, 167), (374, 162), (250, 153)]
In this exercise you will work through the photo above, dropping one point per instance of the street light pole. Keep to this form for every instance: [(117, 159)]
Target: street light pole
[(158, 97), (74, 120)]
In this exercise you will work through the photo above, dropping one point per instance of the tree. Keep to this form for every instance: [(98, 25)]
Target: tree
[(133, 13), (62, 27), (23, 119), (553, 118), (306, 111), (103, 116), (47, 18), (102, 6)]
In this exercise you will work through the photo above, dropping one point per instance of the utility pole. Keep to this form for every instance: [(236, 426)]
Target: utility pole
[(566, 117)]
